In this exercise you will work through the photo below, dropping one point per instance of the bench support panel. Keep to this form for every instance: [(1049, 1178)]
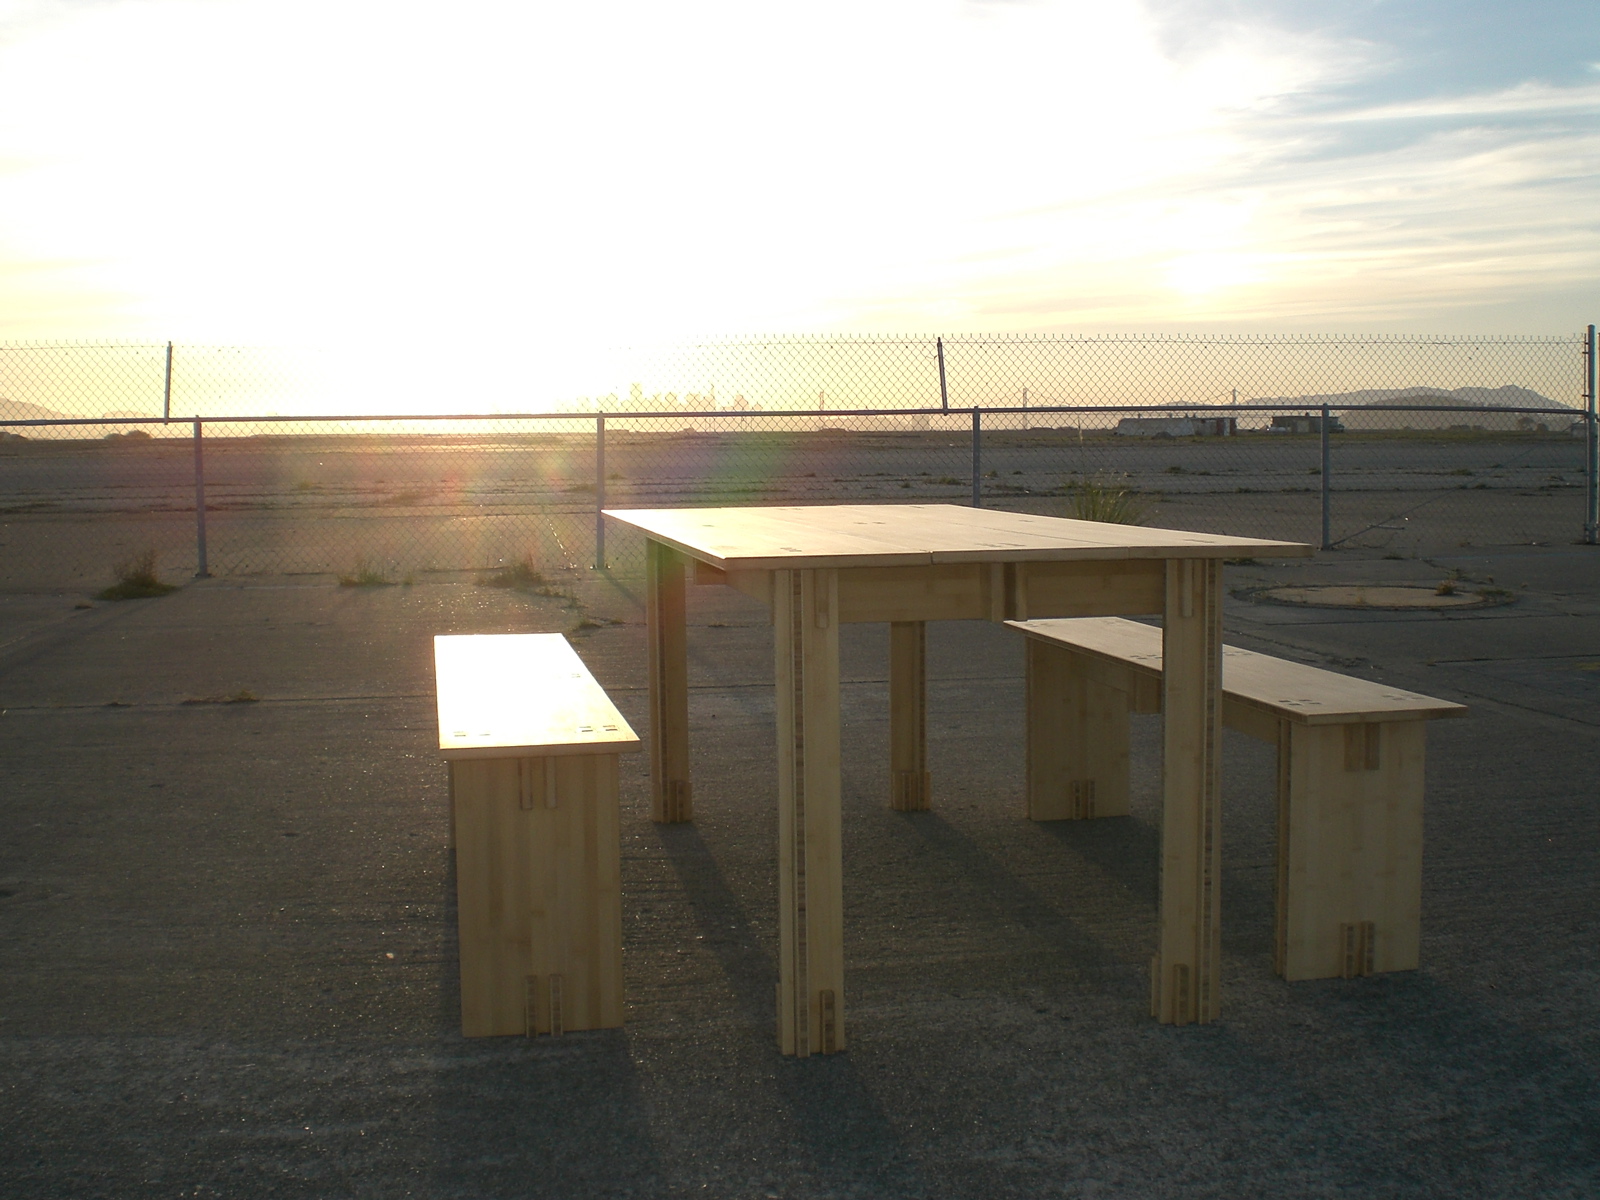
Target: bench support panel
[(671, 794), (539, 894), (1077, 740), (910, 788), (805, 610), (1349, 848)]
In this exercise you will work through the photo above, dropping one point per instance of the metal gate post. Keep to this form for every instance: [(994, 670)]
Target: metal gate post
[(599, 492), (1591, 517), (1327, 533), (166, 391), (199, 505), (977, 459)]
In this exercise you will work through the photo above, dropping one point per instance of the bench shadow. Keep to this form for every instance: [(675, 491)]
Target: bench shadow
[(564, 1116)]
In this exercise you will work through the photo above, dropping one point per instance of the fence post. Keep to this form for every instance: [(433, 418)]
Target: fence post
[(166, 392), (944, 393), (199, 505), (599, 491), (1591, 518), (977, 459), (1327, 532)]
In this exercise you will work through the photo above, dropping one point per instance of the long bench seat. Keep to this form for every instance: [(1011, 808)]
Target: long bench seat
[(532, 742), (1350, 778)]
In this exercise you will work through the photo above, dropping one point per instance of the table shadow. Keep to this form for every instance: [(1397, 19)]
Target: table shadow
[(1017, 904), (1126, 850), (1405, 1085), (839, 1123)]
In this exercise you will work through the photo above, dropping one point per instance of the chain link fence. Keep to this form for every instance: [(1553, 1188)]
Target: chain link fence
[(1411, 445)]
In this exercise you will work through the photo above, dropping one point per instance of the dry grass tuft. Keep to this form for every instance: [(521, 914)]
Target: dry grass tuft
[(520, 574), (137, 579), (1092, 500), (365, 575)]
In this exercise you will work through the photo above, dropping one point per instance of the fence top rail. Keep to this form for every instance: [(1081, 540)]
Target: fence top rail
[(790, 339), (1208, 412)]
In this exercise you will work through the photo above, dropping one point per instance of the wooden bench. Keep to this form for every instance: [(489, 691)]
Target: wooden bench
[(532, 742), (1350, 778)]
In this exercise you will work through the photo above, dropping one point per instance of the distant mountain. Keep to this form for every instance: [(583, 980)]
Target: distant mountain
[(21, 410), (1508, 396)]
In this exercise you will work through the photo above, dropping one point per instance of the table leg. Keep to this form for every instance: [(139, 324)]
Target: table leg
[(1184, 985), (805, 606), (665, 621), (1077, 739), (909, 787)]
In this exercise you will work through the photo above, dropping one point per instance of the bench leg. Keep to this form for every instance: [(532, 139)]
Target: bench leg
[(909, 785), (1349, 848), (805, 607), (1077, 739), (1184, 982), (666, 621), (539, 894), (450, 834)]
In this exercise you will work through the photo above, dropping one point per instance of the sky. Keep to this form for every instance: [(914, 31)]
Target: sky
[(544, 175)]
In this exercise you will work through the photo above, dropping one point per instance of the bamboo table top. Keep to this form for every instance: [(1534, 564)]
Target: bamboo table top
[(888, 535)]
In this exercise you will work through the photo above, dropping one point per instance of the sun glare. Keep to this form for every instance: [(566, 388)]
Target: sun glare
[(246, 171), (1203, 274)]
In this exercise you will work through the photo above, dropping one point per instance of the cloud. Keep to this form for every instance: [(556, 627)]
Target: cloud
[(211, 171), (1527, 98)]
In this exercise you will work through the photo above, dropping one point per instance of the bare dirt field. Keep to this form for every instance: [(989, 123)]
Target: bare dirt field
[(419, 505)]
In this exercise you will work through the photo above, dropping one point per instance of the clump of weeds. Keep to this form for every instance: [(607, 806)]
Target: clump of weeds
[(137, 579), (520, 574), (526, 577), (366, 574), (1093, 500)]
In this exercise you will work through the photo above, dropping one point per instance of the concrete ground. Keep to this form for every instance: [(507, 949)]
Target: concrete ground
[(227, 944)]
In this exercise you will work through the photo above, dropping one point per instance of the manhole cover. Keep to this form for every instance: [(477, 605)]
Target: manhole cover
[(1376, 596)]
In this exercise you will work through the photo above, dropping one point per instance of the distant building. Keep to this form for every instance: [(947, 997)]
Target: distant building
[(1296, 423), (1155, 427)]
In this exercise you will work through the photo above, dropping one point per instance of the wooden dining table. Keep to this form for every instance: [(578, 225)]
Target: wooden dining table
[(819, 567)]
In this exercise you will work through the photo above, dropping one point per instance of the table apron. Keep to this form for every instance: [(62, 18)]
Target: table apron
[(998, 591)]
